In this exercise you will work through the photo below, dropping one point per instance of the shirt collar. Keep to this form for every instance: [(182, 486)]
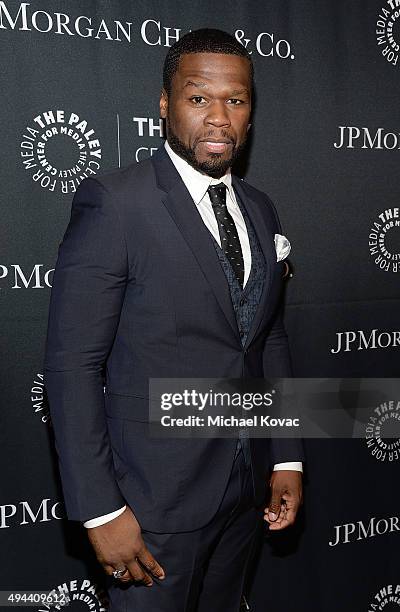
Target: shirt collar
[(196, 182)]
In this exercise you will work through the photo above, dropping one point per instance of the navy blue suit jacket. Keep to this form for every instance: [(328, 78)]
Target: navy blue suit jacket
[(139, 292)]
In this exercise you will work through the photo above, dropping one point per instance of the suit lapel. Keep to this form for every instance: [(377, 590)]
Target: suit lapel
[(183, 210), (179, 203)]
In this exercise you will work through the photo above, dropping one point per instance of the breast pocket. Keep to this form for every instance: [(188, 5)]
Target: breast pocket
[(280, 269)]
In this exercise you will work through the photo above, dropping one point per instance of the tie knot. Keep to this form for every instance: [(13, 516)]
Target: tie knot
[(217, 194)]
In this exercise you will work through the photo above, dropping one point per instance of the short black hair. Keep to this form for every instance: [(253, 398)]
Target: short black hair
[(204, 40)]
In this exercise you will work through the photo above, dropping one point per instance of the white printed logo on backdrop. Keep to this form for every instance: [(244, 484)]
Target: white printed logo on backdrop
[(59, 149), (383, 424), (31, 512), (359, 340), (388, 31), (389, 594), (364, 529), (16, 277), (72, 594), (38, 398), (153, 32), (384, 240), (378, 139)]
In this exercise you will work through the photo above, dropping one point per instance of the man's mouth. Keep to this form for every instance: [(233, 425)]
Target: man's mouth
[(216, 146)]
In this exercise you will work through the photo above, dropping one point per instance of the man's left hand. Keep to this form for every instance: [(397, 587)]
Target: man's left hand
[(286, 498)]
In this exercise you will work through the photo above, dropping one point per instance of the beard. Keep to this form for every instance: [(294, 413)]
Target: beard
[(214, 166)]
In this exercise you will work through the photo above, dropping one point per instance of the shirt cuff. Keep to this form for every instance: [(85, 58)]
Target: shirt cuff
[(289, 465), (105, 518)]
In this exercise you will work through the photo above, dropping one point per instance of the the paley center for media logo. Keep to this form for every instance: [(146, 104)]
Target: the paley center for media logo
[(382, 432), (387, 598), (388, 31), (59, 148), (78, 594), (384, 240)]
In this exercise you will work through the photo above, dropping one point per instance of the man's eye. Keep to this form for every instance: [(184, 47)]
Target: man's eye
[(196, 99), (236, 100)]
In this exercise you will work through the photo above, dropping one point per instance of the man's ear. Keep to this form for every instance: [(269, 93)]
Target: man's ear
[(163, 104)]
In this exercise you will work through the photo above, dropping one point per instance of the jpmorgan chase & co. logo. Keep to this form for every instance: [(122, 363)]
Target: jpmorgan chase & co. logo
[(60, 149), (388, 31), (382, 427), (384, 240)]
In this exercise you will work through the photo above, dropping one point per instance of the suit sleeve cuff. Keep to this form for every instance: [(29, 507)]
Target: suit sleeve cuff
[(289, 465), (105, 518)]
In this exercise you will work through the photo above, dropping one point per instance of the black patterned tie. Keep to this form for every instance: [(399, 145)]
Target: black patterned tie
[(230, 242)]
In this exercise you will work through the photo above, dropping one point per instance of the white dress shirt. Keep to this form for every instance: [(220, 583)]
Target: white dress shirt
[(197, 185)]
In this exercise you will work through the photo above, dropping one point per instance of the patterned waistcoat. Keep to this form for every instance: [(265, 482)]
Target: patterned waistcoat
[(245, 301)]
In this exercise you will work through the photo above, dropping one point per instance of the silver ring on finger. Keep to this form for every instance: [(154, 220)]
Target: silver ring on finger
[(118, 573)]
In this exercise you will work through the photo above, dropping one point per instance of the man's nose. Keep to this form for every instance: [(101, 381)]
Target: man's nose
[(218, 114)]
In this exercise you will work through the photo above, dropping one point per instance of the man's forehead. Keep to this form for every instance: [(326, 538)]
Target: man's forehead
[(191, 64)]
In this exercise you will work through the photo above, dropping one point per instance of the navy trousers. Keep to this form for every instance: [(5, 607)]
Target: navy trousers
[(205, 568)]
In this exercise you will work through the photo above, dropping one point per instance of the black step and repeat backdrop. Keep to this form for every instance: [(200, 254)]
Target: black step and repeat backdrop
[(80, 84)]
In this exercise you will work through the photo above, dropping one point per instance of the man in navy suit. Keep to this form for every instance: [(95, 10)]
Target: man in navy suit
[(168, 269)]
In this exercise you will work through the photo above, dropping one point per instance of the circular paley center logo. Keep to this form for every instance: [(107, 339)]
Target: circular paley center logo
[(383, 432), (76, 595), (387, 598), (39, 400), (384, 240), (60, 149), (388, 31)]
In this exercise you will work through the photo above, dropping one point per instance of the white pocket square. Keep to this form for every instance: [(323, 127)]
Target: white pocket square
[(282, 247)]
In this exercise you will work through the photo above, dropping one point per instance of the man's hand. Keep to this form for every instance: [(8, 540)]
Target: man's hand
[(286, 498), (119, 543)]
